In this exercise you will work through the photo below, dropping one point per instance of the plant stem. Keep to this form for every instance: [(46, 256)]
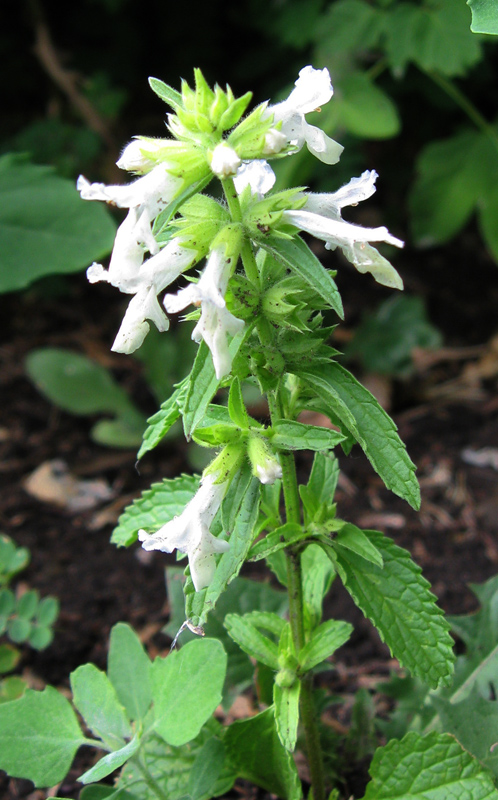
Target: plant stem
[(149, 780), (293, 514)]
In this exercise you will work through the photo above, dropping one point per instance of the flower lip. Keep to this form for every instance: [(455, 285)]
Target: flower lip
[(224, 161)]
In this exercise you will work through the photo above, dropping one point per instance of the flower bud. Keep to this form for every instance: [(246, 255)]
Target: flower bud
[(265, 464), (224, 161)]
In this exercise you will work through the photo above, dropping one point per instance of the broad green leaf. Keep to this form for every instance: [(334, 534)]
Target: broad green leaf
[(239, 597), (484, 16), (325, 640), (95, 698), (353, 538), (297, 256), (286, 705), (161, 422), (39, 736), (385, 340), (257, 755), (289, 435), (348, 25), (363, 109), (186, 688), (203, 384), (199, 604), (40, 637), (111, 762), (154, 508), (398, 600), (81, 386), (128, 669), (433, 766), (251, 640), (45, 227), (19, 629), (474, 722), (436, 36), (361, 414), (454, 176), (318, 574), (172, 767), (206, 770)]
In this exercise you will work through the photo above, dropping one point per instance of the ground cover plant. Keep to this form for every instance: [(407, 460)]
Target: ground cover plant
[(264, 309)]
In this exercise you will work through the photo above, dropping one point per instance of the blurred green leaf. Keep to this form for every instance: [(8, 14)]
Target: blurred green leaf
[(484, 16), (9, 658), (45, 227), (362, 108), (81, 386), (12, 688)]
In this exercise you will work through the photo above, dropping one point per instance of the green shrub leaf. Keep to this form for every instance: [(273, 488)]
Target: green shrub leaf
[(128, 670), (95, 698)]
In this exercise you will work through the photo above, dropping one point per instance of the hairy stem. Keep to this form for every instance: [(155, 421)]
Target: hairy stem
[(149, 780), (293, 514)]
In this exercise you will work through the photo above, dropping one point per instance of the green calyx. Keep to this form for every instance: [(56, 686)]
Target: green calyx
[(263, 217)]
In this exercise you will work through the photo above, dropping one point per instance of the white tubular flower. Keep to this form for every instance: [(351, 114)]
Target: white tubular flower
[(224, 161), (268, 473), (257, 174), (312, 90), (190, 532), (216, 321), (321, 217), (134, 157), (275, 141)]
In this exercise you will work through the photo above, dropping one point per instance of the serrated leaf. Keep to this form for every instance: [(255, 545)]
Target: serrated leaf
[(325, 640), (297, 256), (199, 604), (45, 227), (435, 36), (257, 754), (353, 538), (361, 414), (154, 508), (435, 766), (186, 688), (290, 435), (161, 422), (286, 706), (484, 16), (398, 600), (251, 640), (111, 762), (95, 698), (203, 384), (129, 671), (39, 736)]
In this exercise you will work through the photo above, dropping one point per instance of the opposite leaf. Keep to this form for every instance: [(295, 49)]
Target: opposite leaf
[(422, 767), (398, 600), (95, 698), (128, 668)]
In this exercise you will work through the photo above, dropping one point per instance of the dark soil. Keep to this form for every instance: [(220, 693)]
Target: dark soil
[(449, 406)]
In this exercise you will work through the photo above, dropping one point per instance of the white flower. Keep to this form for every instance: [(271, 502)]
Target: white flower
[(135, 158), (224, 161), (216, 321), (269, 472), (275, 141), (312, 90), (190, 532), (257, 174), (321, 217)]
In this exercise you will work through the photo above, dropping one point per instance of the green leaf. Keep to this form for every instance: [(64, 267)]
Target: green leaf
[(361, 414), (398, 600), (348, 25), (161, 422), (435, 766), (128, 670), (47, 611), (318, 574), (186, 688), (27, 604), (166, 93), (474, 722), (112, 761), (255, 750), (203, 384), (12, 688), (321, 486), (39, 736), (199, 604), (363, 109), (12, 559), (236, 405), (9, 658), (353, 538), (296, 256), (95, 698), (281, 537), (484, 16), (80, 386), (40, 637), (251, 640), (487, 215), (154, 508), (289, 435), (286, 706), (325, 640), (454, 176), (206, 770), (435, 36), (234, 497), (385, 340), (45, 227), (18, 629)]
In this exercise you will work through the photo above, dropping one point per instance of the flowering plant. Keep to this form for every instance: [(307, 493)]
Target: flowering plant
[(260, 301)]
